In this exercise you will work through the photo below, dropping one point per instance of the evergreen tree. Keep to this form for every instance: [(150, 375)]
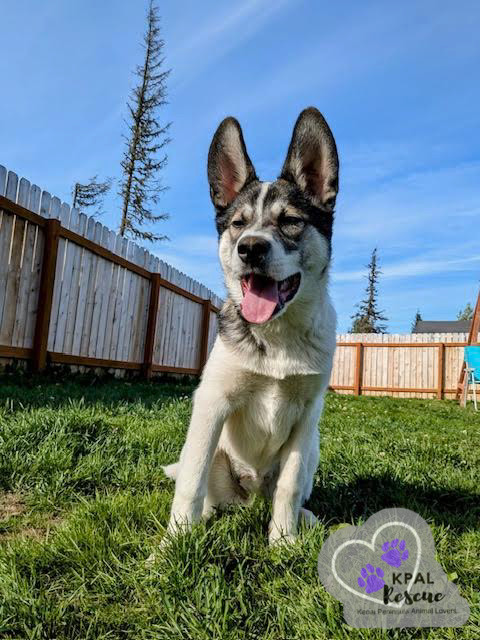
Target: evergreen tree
[(465, 314), (91, 194), (144, 155), (418, 318), (368, 318)]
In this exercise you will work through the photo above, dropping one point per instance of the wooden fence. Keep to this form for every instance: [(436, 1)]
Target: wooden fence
[(73, 292), (416, 365)]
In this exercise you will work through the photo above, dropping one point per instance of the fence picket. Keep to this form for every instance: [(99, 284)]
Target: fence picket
[(6, 248), (21, 303), (108, 241), (98, 293), (58, 316), (73, 274), (3, 179), (37, 255)]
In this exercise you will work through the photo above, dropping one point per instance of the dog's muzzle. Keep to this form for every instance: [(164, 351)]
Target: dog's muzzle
[(253, 251)]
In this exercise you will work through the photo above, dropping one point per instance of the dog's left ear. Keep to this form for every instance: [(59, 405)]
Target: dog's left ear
[(312, 159), (229, 167)]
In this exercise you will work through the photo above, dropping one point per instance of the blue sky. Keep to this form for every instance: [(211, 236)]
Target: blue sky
[(397, 82)]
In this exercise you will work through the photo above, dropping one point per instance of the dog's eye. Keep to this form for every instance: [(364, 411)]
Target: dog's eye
[(330, 203), (291, 221), (238, 223)]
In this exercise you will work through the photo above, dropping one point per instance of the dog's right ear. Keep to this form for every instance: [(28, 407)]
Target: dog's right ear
[(229, 167)]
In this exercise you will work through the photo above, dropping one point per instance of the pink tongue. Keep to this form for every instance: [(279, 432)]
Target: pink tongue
[(260, 299)]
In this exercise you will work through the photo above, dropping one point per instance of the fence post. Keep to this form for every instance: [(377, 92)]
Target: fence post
[(441, 360), (151, 325), (45, 294), (359, 369), (204, 338)]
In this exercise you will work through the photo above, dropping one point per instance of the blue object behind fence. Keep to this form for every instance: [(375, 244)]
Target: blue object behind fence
[(472, 359)]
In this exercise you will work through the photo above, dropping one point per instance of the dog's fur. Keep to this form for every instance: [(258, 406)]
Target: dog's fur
[(254, 427)]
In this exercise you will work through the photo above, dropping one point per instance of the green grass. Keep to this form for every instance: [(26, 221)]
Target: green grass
[(83, 503)]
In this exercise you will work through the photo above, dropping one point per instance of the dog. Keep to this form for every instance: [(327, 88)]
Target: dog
[(254, 425)]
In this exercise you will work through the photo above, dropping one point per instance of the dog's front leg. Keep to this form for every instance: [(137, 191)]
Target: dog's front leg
[(289, 490), (210, 410)]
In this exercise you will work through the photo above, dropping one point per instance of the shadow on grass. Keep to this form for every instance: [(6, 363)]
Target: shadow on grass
[(55, 389), (365, 496)]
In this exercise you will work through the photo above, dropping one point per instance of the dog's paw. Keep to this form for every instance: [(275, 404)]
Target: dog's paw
[(307, 518), (208, 511), (184, 513), (276, 536), (177, 525), (174, 528), (282, 540)]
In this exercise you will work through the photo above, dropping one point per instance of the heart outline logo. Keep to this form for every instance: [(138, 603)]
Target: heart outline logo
[(371, 546)]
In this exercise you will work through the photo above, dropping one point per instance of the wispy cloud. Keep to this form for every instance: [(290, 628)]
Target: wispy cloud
[(415, 267), (419, 207), (343, 51), (211, 40)]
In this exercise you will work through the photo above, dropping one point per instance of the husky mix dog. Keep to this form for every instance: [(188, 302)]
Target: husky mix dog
[(254, 426)]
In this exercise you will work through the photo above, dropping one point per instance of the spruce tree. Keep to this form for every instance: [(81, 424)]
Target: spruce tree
[(465, 314), (418, 318), (144, 156), (368, 318), (89, 195)]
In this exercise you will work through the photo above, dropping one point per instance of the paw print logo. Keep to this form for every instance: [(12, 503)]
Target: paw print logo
[(371, 579), (395, 553)]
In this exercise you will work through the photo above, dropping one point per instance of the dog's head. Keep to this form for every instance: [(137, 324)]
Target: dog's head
[(275, 237)]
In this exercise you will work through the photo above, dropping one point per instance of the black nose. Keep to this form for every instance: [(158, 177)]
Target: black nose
[(253, 250)]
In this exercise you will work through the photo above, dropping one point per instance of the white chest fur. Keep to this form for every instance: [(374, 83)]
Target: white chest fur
[(268, 411)]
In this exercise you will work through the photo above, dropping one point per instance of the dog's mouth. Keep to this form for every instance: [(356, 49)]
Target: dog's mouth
[(264, 297)]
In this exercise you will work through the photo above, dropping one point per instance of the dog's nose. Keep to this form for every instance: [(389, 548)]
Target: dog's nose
[(253, 250)]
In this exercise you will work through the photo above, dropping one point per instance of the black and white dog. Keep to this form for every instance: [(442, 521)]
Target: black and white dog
[(254, 427)]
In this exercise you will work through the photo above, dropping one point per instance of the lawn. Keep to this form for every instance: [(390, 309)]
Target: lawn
[(83, 503)]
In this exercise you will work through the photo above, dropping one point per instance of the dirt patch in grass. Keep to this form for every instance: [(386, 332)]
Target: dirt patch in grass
[(30, 531), (11, 504)]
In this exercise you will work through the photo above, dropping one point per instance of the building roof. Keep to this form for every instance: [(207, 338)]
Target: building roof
[(442, 326)]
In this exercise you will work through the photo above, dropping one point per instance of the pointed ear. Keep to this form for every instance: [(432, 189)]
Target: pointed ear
[(229, 167), (312, 160)]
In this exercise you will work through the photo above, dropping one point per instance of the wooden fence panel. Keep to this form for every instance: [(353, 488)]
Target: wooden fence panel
[(21, 253), (388, 370), (99, 308)]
